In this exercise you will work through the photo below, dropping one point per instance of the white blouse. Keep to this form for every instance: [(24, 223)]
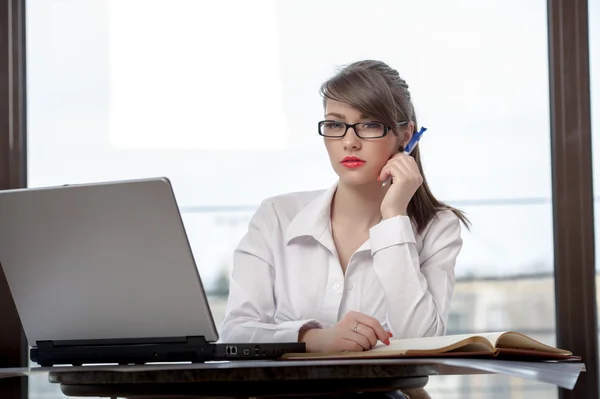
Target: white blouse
[(286, 273)]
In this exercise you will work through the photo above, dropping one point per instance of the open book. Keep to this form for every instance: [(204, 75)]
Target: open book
[(507, 345)]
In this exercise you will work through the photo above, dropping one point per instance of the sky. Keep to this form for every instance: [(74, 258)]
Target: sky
[(222, 98)]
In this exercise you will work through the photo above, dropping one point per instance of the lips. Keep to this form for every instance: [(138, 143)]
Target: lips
[(352, 162)]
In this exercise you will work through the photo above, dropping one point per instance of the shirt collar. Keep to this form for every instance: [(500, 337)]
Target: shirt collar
[(312, 220)]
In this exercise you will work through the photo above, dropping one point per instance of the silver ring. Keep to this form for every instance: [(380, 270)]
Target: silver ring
[(356, 327)]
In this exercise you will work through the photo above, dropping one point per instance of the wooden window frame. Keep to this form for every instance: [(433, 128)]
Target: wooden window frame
[(13, 344)]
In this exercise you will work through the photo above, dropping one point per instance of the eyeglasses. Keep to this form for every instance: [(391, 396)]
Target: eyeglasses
[(364, 130)]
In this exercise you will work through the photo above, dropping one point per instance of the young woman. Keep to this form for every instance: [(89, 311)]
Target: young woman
[(361, 262)]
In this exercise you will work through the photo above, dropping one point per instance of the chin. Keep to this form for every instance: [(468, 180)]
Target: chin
[(356, 179)]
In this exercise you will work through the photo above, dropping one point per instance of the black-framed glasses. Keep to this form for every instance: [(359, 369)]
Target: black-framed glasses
[(364, 130)]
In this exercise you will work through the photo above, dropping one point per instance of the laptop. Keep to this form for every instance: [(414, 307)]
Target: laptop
[(104, 273)]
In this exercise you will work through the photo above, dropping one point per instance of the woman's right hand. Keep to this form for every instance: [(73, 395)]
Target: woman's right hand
[(356, 332)]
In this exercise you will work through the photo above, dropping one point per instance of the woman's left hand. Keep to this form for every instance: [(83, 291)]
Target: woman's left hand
[(406, 179)]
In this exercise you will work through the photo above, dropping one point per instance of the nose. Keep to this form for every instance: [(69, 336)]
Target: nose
[(351, 140)]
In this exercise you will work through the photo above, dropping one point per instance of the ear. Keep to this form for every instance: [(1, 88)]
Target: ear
[(406, 133)]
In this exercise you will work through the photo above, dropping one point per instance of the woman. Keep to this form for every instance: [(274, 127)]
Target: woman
[(360, 262)]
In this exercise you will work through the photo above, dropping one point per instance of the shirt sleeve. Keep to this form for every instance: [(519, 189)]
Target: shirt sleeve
[(418, 287), (250, 310)]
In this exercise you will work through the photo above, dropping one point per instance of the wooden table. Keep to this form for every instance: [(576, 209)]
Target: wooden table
[(266, 378)]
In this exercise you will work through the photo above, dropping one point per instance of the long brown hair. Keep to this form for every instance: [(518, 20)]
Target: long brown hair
[(377, 90)]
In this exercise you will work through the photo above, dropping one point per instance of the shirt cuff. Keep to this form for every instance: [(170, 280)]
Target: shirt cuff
[(393, 231), (288, 331)]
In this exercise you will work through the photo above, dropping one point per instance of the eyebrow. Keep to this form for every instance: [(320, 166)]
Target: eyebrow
[(340, 116)]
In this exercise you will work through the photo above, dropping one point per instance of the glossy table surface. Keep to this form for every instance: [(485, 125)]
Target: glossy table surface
[(264, 378)]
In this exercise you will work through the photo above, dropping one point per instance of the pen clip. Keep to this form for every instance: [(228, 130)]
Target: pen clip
[(414, 140)]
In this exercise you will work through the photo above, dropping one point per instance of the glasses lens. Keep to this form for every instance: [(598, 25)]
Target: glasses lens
[(332, 129), (370, 129)]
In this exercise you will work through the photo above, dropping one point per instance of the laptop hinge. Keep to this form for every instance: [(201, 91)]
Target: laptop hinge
[(197, 340)]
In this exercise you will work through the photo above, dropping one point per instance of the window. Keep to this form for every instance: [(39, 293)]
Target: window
[(108, 102)]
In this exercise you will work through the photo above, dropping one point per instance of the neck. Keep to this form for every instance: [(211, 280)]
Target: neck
[(358, 205)]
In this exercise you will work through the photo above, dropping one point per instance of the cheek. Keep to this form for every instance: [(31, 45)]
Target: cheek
[(381, 153), (330, 147), (385, 152), (395, 144)]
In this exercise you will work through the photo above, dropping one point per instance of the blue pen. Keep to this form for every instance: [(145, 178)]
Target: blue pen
[(409, 148)]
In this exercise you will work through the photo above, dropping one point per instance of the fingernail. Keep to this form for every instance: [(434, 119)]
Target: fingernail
[(378, 178), (390, 334), (387, 341)]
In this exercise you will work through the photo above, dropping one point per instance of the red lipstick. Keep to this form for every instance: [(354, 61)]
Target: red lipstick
[(352, 162)]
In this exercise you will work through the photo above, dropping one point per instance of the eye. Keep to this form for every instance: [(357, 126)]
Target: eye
[(333, 125), (372, 125)]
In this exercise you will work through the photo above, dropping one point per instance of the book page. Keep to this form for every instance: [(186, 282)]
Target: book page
[(521, 341), (430, 346), (415, 346), (435, 343)]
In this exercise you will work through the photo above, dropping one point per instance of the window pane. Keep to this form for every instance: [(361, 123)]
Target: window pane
[(224, 101)]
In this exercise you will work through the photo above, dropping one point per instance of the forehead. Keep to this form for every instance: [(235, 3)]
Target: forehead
[(342, 110)]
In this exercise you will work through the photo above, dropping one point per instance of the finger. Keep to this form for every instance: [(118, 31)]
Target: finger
[(390, 169), (374, 324), (351, 346), (385, 172), (398, 170), (401, 156), (359, 339), (368, 332), (407, 168), (353, 317), (398, 173), (413, 172), (411, 164)]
